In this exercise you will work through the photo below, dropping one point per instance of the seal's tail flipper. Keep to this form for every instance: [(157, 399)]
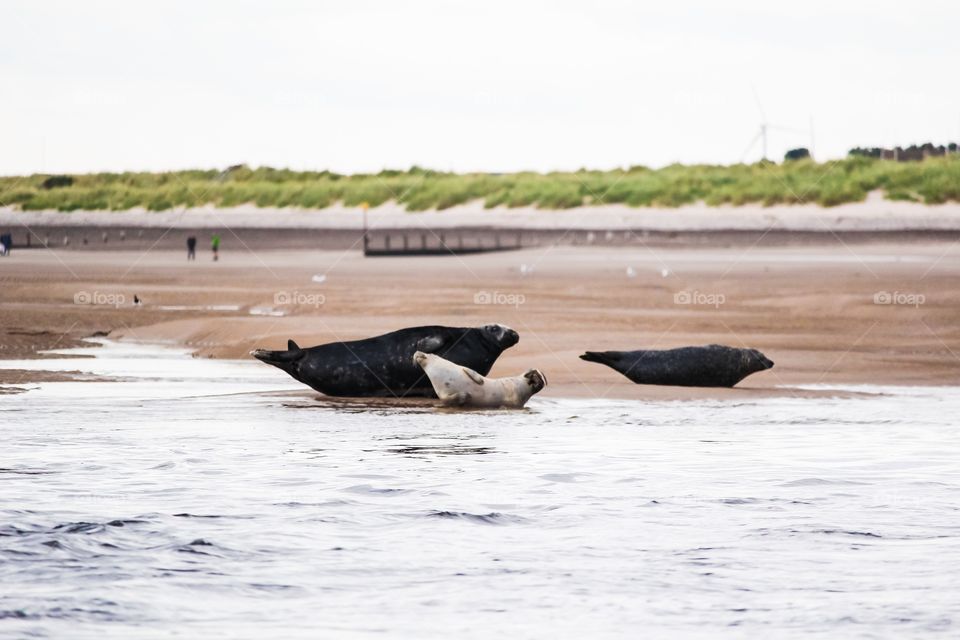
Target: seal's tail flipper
[(603, 357), (280, 359)]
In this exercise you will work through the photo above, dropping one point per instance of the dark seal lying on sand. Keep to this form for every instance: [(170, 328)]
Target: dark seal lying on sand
[(711, 366), (384, 366)]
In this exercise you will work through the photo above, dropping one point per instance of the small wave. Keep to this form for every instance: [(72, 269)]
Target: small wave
[(297, 504), (197, 546), (200, 542), (78, 613), (92, 527), (79, 527), (17, 614), (478, 518), (439, 450), (272, 587), (59, 613), (383, 491), (815, 482), (26, 472), (56, 537), (564, 477), (368, 476), (865, 534), (11, 531), (213, 516)]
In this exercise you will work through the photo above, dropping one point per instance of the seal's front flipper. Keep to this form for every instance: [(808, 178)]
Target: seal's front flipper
[(430, 344), (473, 375), (292, 346)]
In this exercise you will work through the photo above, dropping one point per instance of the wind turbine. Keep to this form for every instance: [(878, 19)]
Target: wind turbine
[(765, 127)]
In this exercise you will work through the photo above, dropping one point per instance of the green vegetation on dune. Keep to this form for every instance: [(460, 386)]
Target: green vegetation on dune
[(934, 180)]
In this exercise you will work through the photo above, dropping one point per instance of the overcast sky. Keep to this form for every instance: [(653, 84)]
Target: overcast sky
[(495, 86)]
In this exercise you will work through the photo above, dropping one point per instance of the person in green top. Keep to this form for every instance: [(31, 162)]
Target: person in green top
[(215, 245)]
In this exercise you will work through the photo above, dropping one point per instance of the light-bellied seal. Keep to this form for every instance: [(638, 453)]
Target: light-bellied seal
[(384, 366), (461, 386), (711, 366)]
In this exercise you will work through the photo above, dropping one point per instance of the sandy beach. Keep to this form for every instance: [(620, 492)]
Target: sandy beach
[(830, 314), (875, 213)]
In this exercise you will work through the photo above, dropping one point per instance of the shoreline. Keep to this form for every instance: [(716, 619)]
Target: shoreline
[(812, 309)]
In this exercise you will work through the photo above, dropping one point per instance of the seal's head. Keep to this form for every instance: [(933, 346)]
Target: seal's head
[(422, 359), (536, 380), (501, 335), (756, 361)]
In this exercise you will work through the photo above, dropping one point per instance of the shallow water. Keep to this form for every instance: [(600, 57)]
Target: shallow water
[(216, 499)]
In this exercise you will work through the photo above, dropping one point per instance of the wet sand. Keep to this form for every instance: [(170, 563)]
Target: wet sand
[(811, 309)]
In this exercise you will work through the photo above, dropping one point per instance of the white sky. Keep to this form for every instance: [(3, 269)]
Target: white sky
[(495, 86)]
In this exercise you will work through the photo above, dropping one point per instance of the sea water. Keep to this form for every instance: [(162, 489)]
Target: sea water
[(185, 497)]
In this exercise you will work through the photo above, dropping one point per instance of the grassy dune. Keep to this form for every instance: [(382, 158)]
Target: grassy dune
[(931, 181)]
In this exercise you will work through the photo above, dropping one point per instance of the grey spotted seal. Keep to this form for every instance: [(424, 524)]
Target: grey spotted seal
[(383, 366)]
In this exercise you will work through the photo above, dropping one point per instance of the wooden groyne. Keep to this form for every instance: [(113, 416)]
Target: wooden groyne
[(387, 243)]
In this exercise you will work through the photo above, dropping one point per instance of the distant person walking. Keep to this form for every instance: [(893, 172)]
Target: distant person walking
[(6, 243), (192, 248), (215, 245)]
